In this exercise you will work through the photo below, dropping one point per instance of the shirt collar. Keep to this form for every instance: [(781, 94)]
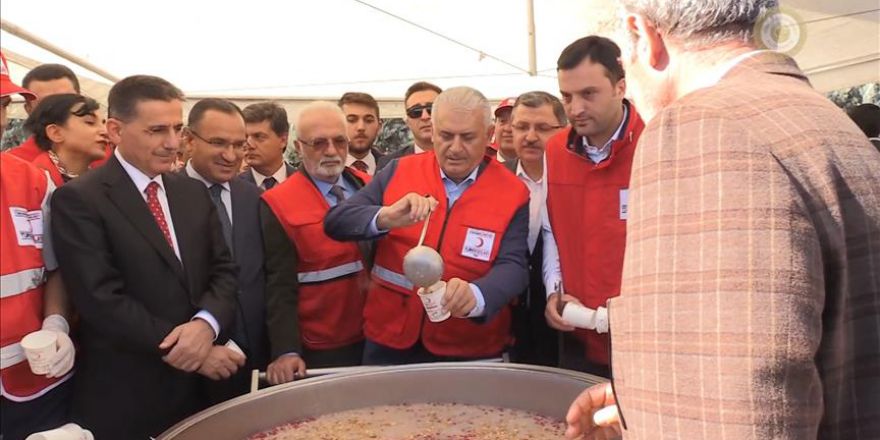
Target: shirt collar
[(191, 172), (521, 172), (618, 134), (417, 149), (472, 177), (137, 176), (324, 187), (280, 175), (368, 159)]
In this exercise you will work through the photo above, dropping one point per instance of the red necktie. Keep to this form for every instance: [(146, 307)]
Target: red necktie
[(156, 209), (361, 166)]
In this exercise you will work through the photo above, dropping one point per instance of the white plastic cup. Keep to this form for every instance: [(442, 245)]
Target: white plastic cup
[(39, 347), (432, 299), (70, 431), (584, 317)]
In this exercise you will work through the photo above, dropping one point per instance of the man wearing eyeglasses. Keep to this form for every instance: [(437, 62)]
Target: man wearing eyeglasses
[(215, 138), (143, 256), (478, 223), (419, 101), (588, 168), (316, 285), (535, 118)]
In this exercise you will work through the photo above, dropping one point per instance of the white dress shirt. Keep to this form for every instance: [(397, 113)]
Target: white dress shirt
[(225, 195), (140, 182), (537, 202), (280, 176), (417, 149), (369, 159)]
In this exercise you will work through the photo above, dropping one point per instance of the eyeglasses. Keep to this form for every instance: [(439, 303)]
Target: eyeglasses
[(322, 143), (541, 129), (415, 111), (221, 143)]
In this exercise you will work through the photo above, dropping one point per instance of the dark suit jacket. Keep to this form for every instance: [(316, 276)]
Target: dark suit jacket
[(130, 291), (536, 342), (282, 285), (386, 159), (249, 176), (247, 241)]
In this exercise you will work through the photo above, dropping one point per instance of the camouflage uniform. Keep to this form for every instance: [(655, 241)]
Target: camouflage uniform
[(14, 135)]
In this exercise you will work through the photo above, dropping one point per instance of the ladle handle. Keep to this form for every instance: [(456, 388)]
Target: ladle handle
[(424, 229)]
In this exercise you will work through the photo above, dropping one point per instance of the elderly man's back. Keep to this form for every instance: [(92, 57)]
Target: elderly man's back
[(750, 305)]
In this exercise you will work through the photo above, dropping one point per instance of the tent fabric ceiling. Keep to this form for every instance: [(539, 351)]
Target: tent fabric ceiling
[(297, 51)]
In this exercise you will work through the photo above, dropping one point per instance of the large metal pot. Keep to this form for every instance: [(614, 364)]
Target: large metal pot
[(545, 391)]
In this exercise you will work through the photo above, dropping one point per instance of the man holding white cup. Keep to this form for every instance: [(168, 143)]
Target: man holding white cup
[(479, 224), (32, 298)]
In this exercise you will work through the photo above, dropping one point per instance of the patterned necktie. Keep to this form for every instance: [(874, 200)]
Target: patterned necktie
[(269, 182), (152, 191), (361, 166), (337, 192), (216, 190)]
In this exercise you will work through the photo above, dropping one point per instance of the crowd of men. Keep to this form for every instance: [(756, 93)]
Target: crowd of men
[(723, 225)]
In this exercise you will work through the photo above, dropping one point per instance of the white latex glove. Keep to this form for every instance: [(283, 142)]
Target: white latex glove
[(62, 362), (70, 431)]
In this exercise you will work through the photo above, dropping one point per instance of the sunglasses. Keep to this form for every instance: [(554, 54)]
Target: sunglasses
[(415, 111)]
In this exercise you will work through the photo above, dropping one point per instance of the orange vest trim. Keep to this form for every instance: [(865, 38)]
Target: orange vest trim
[(587, 206), (394, 316), (332, 278), (23, 190)]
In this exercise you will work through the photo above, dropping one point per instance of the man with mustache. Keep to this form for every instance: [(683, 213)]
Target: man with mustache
[(418, 101), (588, 166), (535, 118), (749, 304), (267, 131), (479, 231), (143, 256), (316, 285), (216, 141), (362, 124)]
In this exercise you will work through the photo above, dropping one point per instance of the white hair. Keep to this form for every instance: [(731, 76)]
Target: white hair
[(465, 98), (315, 107), (703, 23)]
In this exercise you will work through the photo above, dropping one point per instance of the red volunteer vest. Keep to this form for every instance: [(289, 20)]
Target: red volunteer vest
[(43, 161), (331, 274), (27, 151), (23, 189), (394, 315), (587, 206)]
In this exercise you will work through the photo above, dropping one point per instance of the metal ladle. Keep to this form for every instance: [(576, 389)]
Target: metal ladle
[(422, 265)]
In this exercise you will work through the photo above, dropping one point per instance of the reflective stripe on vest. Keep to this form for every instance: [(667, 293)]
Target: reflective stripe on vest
[(392, 277), (330, 273), (20, 282), (10, 355)]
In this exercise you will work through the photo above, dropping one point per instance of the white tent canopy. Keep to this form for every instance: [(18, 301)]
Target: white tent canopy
[(301, 50)]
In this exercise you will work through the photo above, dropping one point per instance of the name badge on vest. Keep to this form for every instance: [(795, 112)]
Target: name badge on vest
[(624, 203), (28, 226), (478, 244)]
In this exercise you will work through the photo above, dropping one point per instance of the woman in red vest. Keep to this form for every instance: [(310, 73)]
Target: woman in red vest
[(71, 134)]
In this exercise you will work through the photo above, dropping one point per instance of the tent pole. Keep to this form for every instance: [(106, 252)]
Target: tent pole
[(533, 63), (43, 44)]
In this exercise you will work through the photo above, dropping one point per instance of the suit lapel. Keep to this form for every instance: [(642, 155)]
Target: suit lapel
[(178, 206), (238, 215), (122, 193)]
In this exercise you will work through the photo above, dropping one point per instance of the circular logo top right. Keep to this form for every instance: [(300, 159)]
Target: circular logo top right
[(780, 29)]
